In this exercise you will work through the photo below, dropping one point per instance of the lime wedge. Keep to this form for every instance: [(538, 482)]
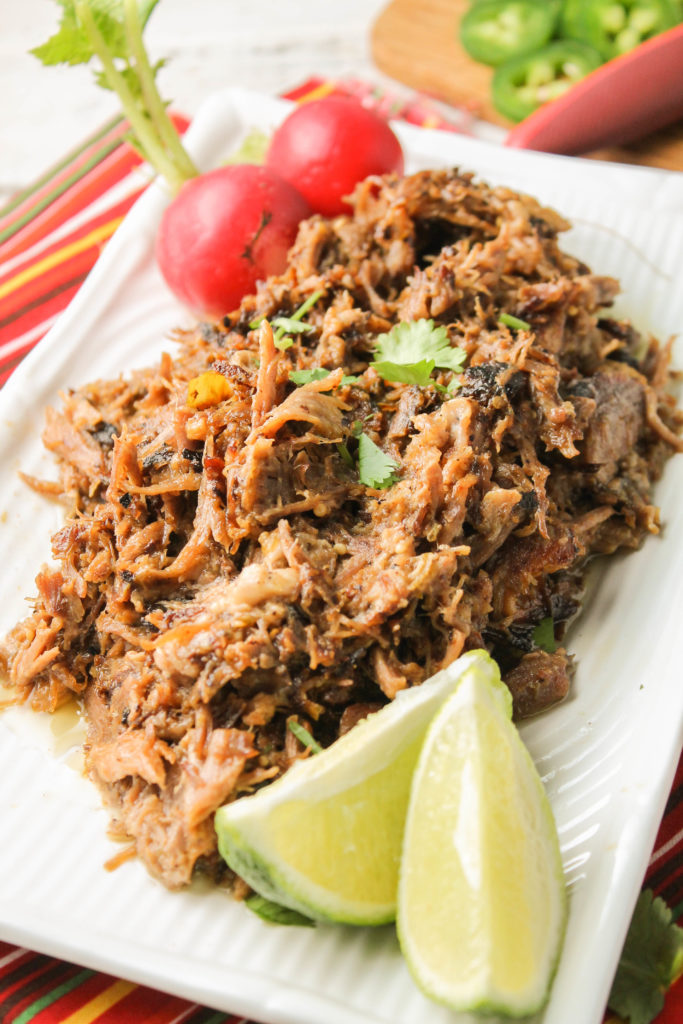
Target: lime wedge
[(325, 839), (482, 899)]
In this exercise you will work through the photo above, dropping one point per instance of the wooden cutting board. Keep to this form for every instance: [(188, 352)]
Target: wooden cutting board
[(416, 42)]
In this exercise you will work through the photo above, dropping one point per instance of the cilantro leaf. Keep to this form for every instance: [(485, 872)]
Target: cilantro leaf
[(288, 323), (317, 373), (450, 388), (411, 345), (375, 467), (651, 960), (293, 323), (544, 635), (306, 376), (275, 913), (406, 373)]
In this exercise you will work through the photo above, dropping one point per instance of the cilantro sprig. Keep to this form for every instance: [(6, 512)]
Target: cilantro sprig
[(293, 324), (110, 32), (413, 349), (651, 961)]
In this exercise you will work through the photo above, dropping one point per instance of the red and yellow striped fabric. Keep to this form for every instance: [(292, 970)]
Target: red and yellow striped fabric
[(50, 237), (52, 234), (40, 990)]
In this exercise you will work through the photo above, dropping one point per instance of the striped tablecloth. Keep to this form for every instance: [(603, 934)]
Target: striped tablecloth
[(50, 237)]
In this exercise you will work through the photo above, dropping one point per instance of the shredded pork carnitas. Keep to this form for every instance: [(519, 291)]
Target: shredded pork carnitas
[(225, 571)]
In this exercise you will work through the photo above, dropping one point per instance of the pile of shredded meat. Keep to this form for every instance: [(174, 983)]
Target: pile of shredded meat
[(224, 571)]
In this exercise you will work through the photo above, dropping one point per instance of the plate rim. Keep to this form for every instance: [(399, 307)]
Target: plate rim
[(89, 302)]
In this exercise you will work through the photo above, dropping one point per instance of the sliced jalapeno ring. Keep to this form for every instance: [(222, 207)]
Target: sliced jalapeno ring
[(614, 27), (521, 85), (494, 31)]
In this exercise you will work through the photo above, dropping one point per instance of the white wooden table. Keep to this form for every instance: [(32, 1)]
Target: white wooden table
[(261, 44)]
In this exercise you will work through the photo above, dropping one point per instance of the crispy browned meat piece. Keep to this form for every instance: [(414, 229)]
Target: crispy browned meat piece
[(224, 570), (540, 680)]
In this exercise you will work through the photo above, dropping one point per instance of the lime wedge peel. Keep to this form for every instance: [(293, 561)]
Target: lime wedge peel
[(325, 839), (482, 901), (430, 812)]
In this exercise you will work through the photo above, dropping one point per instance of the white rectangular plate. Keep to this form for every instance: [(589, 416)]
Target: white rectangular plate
[(607, 755)]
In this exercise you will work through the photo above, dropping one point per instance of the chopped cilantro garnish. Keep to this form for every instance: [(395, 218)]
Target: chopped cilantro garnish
[(303, 736), (513, 321), (375, 467), (413, 349), (448, 389), (283, 343), (308, 304), (409, 373), (306, 376), (651, 961), (544, 635), (293, 323), (289, 323), (268, 910), (317, 373)]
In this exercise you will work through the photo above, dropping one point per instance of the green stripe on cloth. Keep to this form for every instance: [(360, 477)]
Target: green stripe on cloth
[(53, 171), (30, 976), (51, 997), (60, 189), (206, 1015)]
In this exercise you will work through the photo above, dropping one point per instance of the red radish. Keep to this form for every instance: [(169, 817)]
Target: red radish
[(325, 147), (224, 231), (229, 228)]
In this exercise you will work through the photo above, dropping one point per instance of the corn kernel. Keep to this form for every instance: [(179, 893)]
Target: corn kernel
[(207, 389)]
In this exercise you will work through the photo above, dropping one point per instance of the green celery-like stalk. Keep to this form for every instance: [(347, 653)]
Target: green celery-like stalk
[(148, 134), (155, 105)]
